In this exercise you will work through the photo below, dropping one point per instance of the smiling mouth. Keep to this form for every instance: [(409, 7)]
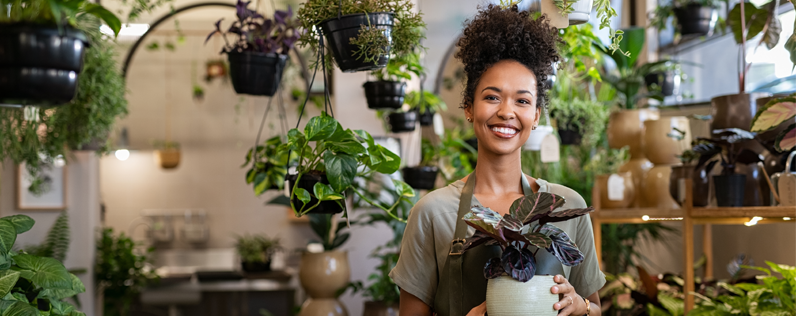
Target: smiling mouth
[(504, 131)]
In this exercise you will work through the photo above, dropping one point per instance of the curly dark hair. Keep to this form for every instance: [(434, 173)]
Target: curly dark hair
[(496, 34)]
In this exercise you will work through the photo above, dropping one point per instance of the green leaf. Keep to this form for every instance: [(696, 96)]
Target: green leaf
[(296, 140), (22, 223), (250, 176), (303, 195), (320, 127), (755, 21), (8, 235), (390, 161), (261, 183), (48, 272), (340, 170), (325, 193), (61, 308), (366, 136), (349, 147), (7, 280), (107, 16), (403, 189), (21, 309), (539, 240)]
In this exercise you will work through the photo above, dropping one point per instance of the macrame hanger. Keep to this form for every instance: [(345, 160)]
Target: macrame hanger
[(262, 123)]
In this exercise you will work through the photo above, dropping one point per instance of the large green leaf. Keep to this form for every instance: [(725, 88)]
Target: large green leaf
[(48, 272), (340, 170), (632, 43), (261, 183), (366, 136), (8, 235), (755, 21), (390, 162), (320, 127), (22, 223), (107, 16), (303, 195), (7, 280), (403, 189), (20, 309), (61, 308), (349, 147), (5, 261), (296, 140), (324, 193)]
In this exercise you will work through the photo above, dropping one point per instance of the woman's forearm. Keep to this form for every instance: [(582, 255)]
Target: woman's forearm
[(412, 306)]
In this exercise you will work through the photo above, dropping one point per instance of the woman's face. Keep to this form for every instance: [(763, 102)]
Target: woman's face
[(504, 108)]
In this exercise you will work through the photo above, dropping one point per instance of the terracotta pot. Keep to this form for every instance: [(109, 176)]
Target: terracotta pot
[(380, 309), (624, 190), (656, 188), (506, 296), (323, 307), (625, 129), (638, 168), (167, 158), (322, 274), (734, 110), (661, 149)]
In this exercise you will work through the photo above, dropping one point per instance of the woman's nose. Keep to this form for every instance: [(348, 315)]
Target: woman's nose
[(505, 111)]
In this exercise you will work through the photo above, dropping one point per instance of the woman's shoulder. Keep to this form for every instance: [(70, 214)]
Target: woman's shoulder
[(440, 201), (573, 198)]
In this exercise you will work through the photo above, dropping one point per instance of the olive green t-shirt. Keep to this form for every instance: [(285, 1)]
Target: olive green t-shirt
[(431, 225)]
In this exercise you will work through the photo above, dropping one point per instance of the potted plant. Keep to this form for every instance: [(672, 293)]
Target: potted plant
[(521, 233), (361, 35), (167, 154), (121, 272), (726, 143), (268, 166), (255, 252), (692, 17), (774, 114), (387, 92), (424, 176), (325, 172), (425, 103), (324, 270), (775, 294), (576, 118), (42, 49), (399, 120), (686, 170), (664, 79), (258, 55)]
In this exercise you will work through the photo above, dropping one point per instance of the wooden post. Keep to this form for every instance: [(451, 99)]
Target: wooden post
[(597, 225), (688, 247), (707, 248)]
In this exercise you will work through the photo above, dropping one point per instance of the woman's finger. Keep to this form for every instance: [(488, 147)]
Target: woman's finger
[(568, 309), (565, 302), (562, 288)]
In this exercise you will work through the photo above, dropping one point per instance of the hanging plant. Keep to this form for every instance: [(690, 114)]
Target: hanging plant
[(388, 91), (424, 176), (696, 17), (269, 168), (425, 103)]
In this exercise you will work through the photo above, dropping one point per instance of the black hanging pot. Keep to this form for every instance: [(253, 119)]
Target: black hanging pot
[(40, 63), (256, 73), (695, 19), (570, 136), (729, 189), (308, 182), (402, 121), (665, 81), (421, 178), (426, 118), (339, 31), (385, 94)]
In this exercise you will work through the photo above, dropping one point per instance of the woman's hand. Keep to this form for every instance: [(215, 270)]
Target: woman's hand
[(570, 303), (479, 310)]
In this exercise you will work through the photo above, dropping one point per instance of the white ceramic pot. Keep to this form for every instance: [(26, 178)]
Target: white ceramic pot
[(508, 297), (534, 141), (548, 7), (581, 10)]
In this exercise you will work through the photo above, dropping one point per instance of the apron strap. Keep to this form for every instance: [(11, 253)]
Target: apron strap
[(455, 257)]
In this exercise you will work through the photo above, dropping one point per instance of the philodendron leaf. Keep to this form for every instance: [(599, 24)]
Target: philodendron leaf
[(787, 139), (296, 140), (518, 264), (261, 183), (538, 239), (755, 21), (403, 189), (303, 195), (349, 147), (48, 272), (390, 162), (325, 193), (774, 113), (340, 170), (59, 294), (563, 248), (7, 280), (8, 235), (20, 309), (22, 223), (532, 207), (493, 268), (320, 127)]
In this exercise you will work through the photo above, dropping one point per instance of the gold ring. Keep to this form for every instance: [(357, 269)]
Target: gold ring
[(571, 302)]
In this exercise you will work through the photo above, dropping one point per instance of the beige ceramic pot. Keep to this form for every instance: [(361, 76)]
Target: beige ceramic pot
[(322, 274), (380, 309), (656, 188), (508, 297), (734, 110), (616, 190), (625, 129), (323, 307), (638, 167), (167, 158), (661, 149)]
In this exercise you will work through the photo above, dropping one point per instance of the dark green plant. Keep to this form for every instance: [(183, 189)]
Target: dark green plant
[(726, 144), (29, 284), (586, 116), (775, 296), (255, 248), (120, 272), (579, 54), (58, 12), (400, 68), (406, 33), (429, 154), (427, 101), (56, 244), (663, 12), (268, 166)]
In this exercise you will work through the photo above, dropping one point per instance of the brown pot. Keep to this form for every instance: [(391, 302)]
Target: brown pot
[(625, 190), (625, 129), (734, 110), (638, 167), (380, 309), (167, 158), (323, 307), (656, 188), (322, 274), (700, 184), (661, 149)]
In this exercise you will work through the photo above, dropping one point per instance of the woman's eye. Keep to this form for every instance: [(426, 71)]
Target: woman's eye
[(490, 97), (524, 101)]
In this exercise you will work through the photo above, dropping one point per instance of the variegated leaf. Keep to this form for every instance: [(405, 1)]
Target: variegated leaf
[(519, 264), (486, 214), (532, 207), (787, 139), (563, 247), (538, 239), (564, 215), (510, 222), (774, 113), (481, 225)]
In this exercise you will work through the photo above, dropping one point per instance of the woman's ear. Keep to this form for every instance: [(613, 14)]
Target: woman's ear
[(468, 112), (538, 115)]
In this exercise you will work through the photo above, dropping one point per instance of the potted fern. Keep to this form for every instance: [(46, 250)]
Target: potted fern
[(424, 175), (259, 54), (387, 92), (425, 103), (361, 35)]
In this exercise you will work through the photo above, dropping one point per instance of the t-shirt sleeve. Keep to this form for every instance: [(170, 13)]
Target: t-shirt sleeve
[(416, 269), (586, 277)]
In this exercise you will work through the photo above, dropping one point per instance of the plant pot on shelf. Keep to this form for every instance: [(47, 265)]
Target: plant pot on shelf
[(307, 182), (256, 73), (339, 31), (729, 189), (625, 128), (426, 118), (40, 63), (380, 309), (662, 149), (402, 121), (421, 178), (384, 94), (734, 110), (168, 158), (700, 188), (667, 82), (695, 19), (321, 275), (616, 190), (581, 10), (256, 267), (506, 296)]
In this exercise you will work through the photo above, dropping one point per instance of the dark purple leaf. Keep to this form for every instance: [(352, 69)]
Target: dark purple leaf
[(510, 222), (281, 17), (532, 207), (234, 29), (538, 239), (733, 135), (564, 215), (211, 35), (493, 268), (563, 248), (485, 223), (518, 264), (515, 238), (266, 27), (491, 242), (242, 10), (477, 239)]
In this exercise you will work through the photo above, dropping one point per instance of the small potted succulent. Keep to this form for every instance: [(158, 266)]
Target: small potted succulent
[(425, 103), (41, 50), (726, 143), (521, 233), (258, 56), (255, 252), (388, 91), (424, 175), (268, 166), (361, 35), (692, 17)]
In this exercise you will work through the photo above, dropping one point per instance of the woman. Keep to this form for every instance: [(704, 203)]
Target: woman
[(507, 57)]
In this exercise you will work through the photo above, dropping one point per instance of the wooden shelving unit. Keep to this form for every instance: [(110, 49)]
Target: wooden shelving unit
[(689, 216)]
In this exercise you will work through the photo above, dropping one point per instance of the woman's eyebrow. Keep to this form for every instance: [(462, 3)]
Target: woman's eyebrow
[(491, 88), (524, 91)]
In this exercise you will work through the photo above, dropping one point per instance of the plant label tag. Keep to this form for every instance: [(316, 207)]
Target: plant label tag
[(31, 113), (616, 188), (787, 189), (439, 126), (549, 151), (681, 190), (287, 188)]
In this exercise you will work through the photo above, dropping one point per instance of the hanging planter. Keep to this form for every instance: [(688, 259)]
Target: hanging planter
[(667, 82), (401, 122), (421, 178), (695, 19), (256, 73), (426, 118), (384, 94), (168, 158), (340, 31), (307, 182), (426, 104), (581, 11)]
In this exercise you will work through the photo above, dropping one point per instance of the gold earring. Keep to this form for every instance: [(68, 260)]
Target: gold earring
[(470, 119), (533, 128)]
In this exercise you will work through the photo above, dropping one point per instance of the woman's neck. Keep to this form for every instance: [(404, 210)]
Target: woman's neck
[(498, 174)]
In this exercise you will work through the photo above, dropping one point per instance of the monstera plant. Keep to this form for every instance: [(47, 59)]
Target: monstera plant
[(775, 113)]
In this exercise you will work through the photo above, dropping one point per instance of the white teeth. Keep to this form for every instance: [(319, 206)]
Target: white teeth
[(504, 130)]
